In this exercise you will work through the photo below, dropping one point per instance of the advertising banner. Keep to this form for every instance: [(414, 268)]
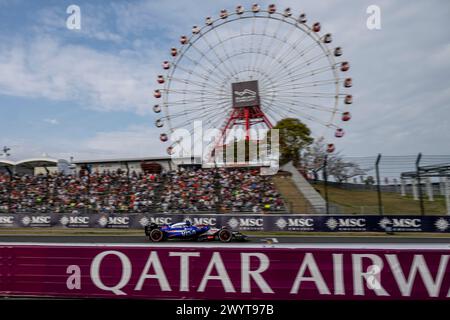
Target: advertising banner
[(241, 222), (220, 273), (245, 94)]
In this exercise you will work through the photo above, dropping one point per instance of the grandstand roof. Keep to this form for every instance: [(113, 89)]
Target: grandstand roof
[(31, 162), (37, 162), (4, 163)]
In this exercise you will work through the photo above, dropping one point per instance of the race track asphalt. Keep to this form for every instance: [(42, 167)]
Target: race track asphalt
[(133, 239)]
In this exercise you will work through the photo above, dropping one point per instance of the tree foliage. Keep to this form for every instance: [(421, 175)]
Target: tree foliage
[(294, 137)]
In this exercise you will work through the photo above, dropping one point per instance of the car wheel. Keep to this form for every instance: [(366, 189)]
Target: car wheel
[(225, 235), (156, 235)]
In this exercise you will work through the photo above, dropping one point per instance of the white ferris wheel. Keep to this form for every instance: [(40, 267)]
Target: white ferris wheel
[(251, 67)]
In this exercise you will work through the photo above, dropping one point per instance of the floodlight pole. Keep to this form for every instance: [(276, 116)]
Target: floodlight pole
[(447, 193)]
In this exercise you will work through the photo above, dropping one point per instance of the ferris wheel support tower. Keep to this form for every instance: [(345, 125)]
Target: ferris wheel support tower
[(246, 109)]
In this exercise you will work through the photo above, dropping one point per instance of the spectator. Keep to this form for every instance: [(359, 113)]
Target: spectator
[(201, 190)]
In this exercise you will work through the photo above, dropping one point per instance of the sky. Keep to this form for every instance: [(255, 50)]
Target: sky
[(87, 93)]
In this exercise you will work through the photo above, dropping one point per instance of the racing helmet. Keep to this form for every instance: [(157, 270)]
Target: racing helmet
[(188, 223)]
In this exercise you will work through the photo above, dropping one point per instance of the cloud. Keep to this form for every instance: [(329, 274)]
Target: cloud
[(137, 141), (132, 141), (52, 121), (45, 68)]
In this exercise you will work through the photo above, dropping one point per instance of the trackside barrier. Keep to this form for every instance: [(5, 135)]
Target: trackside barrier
[(232, 272), (242, 222)]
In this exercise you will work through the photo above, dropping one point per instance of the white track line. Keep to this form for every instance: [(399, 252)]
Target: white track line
[(408, 246)]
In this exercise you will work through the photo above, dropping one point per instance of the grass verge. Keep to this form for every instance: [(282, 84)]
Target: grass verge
[(366, 202)]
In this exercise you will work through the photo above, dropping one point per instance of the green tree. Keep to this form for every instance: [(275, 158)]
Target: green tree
[(294, 137), (369, 180)]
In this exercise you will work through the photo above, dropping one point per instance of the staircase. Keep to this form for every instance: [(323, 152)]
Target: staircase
[(314, 201), (294, 199)]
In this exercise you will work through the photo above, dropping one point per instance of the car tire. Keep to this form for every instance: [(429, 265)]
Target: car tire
[(156, 235), (225, 235)]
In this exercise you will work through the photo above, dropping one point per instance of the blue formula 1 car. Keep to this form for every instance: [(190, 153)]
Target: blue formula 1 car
[(187, 231)]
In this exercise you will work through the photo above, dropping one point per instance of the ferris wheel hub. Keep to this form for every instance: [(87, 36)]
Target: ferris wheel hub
[(245, 94), (246, 110)]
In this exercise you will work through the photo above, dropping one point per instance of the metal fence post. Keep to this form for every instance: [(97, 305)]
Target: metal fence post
[(377, 170), (325, 180), (447, 193), (442, 186), (429, 187), (414, 188), (419, 186), (402, 187)]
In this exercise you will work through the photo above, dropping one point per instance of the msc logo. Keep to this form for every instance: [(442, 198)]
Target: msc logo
[(400, 223), (160, 220), (352, 222), (333, 223), (103, 221), (245, 222), (26, 220), (40, 219), (302, 222), (298, 222), (118, 220), (202, 220), (251, 222), (74, 220), (6, 220), (407, 223)]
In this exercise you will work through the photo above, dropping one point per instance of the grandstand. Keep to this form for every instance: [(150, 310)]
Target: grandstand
[(167, 185), (135, 185)]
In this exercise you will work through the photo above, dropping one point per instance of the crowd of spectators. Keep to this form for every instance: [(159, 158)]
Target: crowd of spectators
[(222, 189), (189, 190), (247, 190), (97, 192), (201, 190)]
